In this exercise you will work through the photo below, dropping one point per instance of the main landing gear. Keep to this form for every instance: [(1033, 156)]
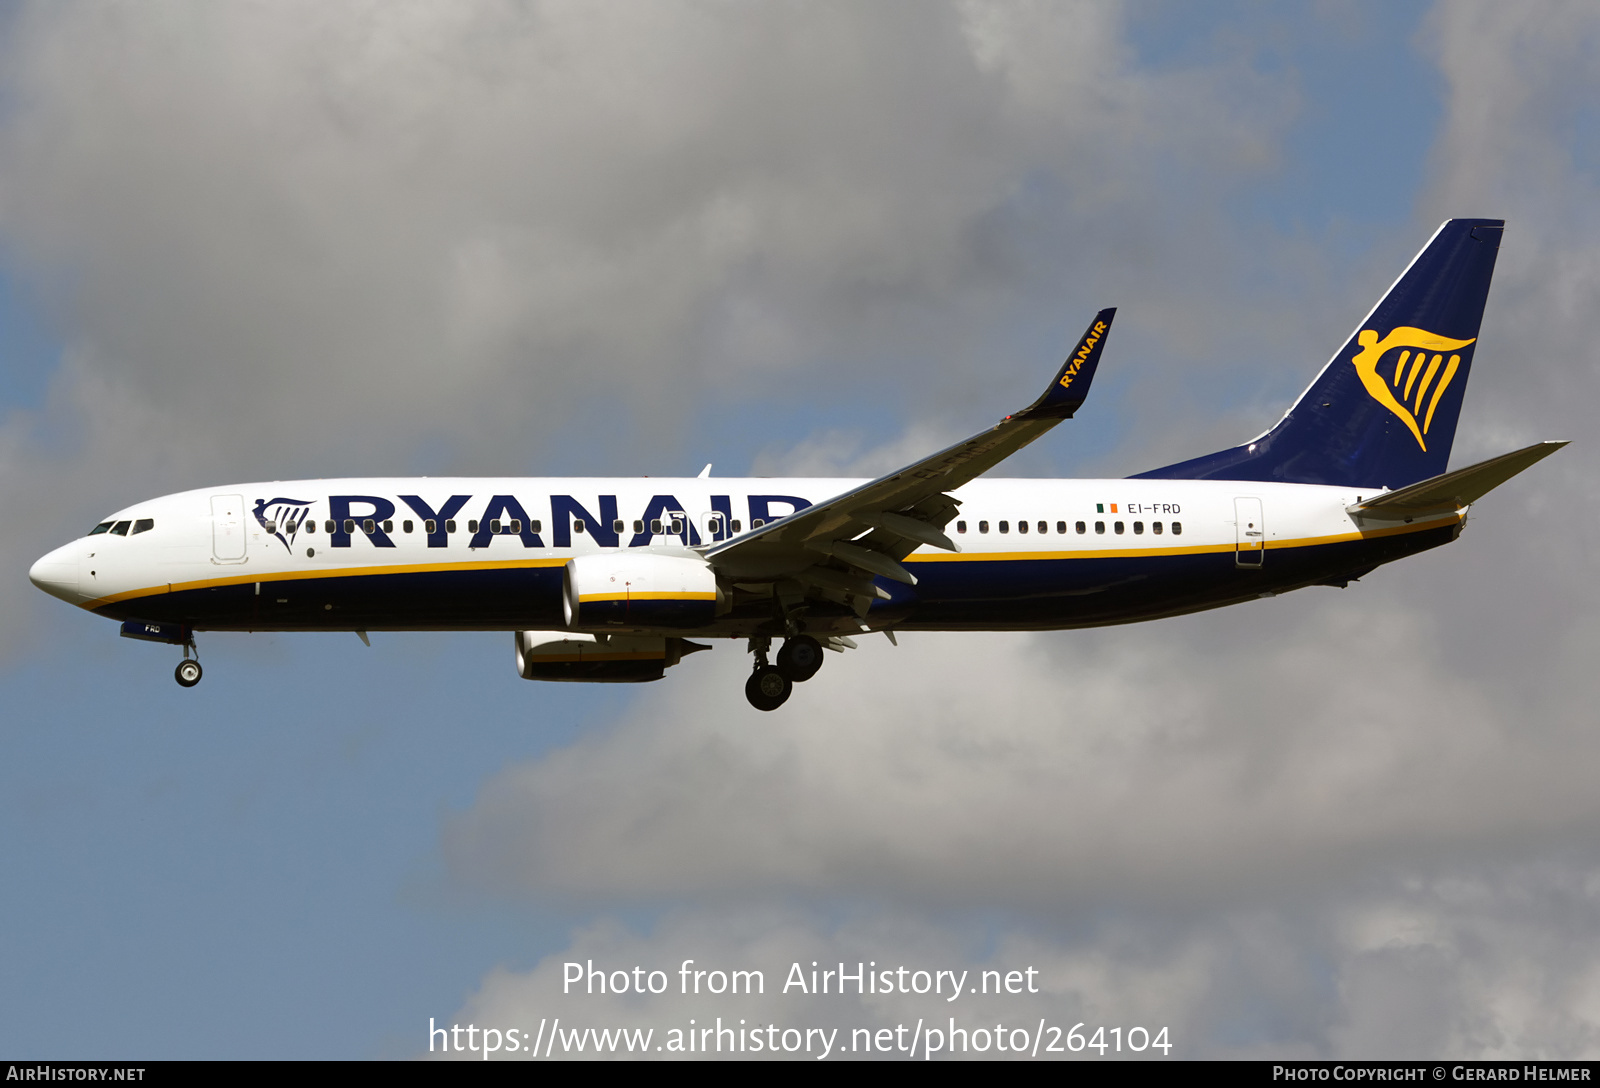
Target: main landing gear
[(770, 685), (800, 658), (188, 672), (767, 688)]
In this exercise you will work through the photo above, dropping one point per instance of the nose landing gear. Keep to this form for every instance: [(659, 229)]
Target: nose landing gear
[(188, 672)]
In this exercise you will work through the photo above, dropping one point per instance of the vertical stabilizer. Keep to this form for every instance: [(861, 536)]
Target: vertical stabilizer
[(1383, 411)]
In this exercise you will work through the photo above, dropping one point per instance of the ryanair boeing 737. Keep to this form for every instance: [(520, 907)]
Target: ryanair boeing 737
[(607, 580)]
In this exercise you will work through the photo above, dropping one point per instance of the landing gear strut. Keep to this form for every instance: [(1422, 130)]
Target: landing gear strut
[(768, 688), (188, 671)]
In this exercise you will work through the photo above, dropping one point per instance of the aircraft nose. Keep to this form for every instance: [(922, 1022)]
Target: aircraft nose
[(57, 574)]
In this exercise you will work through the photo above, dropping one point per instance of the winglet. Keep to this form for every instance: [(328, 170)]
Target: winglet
[(1070, 388)]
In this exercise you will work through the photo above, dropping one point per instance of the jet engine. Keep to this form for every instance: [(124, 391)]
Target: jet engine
[(640, 589), (603, 659)]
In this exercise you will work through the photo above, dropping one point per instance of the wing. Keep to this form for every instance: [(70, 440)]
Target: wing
[(837, 546)]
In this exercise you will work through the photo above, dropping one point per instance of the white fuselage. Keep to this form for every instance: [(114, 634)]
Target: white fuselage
[(358, 554)]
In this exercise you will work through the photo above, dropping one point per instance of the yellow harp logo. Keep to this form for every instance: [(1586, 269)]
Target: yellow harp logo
[(1401, 392)]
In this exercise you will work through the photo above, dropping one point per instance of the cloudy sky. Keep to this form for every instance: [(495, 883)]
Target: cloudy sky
[(257, 241)]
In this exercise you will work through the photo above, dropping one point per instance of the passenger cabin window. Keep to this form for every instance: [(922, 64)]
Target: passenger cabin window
[(368, 527), (331, 527), (1177, 528), (655, 525), (577, 525), (516, 526), (495, 526), (1061, 527), (430, 526), (638, 527), (407, 525), (1116, 526), (310, 527), (1082, 528), (1005, 526), (103, 527), (1155, 527), (983, 526), (756, 523), (143, 525), (961, 526), (120, 528), (1044, 528), (1138, 528), (1099, 526), (1022, 526), (450, 526), (472, 526), (388, 527), (616, 526), (271, 526)]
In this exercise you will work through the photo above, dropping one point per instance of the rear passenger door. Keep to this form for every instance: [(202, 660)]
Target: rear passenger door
[(1250, 535)]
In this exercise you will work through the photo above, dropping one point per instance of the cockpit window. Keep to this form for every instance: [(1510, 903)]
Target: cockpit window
[(120, 528), (103, 527), (143, 525)]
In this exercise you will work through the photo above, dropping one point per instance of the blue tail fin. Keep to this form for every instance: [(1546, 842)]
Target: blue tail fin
[(1383, 412)]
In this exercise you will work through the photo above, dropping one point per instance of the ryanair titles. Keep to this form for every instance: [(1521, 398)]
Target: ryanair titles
[(347, 518)]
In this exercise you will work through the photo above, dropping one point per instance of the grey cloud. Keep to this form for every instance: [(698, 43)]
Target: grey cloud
[(342, 229)]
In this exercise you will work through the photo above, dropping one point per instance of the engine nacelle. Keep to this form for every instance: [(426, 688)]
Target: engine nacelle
[(639, 589), (597, 659)]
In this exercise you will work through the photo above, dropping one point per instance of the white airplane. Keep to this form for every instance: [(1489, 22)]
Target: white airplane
[(607, 580)]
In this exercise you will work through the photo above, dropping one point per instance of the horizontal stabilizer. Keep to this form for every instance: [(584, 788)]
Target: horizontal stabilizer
[(1448, 493)]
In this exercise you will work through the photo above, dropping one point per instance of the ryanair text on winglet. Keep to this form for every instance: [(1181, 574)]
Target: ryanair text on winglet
[(1082, 353)]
